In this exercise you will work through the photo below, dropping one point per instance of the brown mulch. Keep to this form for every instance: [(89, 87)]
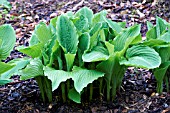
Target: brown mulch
[(138, 87)]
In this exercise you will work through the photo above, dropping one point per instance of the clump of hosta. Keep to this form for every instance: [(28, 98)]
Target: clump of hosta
[(158, 37), (76, 49)]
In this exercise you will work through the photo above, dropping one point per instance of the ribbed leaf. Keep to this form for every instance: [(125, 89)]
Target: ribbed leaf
[(19, 64), (160, 26), (151, 34), (33, 51), (123, 40), (5, 67), (56, 76), (4, 81), (67, 35), (84, 42), (33, 40), (88, 13), (98, 53), (115, 26), (141, 56), (43, 33), (149, 25), (81, 23), (35, 68), (99, 17), (74, 95), (165, 37), (154, 42), (160, 72), (83, 77), (7, 40), (69, 60), (164, 53)]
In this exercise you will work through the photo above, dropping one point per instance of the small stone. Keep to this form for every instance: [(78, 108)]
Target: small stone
[(15, 94), (165, 105)]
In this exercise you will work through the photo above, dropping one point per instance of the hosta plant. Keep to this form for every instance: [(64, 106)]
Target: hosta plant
[(7, 42), (158, 37), (77, 52)]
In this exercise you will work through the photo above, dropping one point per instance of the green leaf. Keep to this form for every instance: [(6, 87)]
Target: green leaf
[(115, 26), (69, 60), (74, 95), (122, 24), (160, 26), (81, 23), (110, 48), (98, 53), (6, 4), (154, 42), (160, 72), (19, 64), (85, 11), (164, 53), (99, 17), (165, 37), (5, 67), (126, 37), (84, 42), (4, 81), (7, 40), (32, 70), (43, 33), (67, 35), (33, 51), (141, 56), (56, 76), (33, 40), (149, 25), (83, 77), (151, 34)]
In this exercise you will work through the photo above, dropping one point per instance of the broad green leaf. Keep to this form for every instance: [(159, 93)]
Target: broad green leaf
[(69, 60), (33, 40), (74, 95), (32, 70), (141, 56), (164, 53), (33, 51), (160, 72), (151, 34), (5, 67), (98, 53), (81, 23), (137, 40), (53, 21), (126, 37), (110, 47), (67, 35), (4, 81), (0, 42), (115, 26), (149, 25), (99, 17), (7, 40), (6, 4), (19, 64), (84, 42), (56, 76), (160, 26), (43, 33), (165, 37), (95, 28), (88, 13), (154, 42), (122, 24), (83, 77)]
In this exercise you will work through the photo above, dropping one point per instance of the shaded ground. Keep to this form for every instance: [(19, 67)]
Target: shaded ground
[(138, 88)]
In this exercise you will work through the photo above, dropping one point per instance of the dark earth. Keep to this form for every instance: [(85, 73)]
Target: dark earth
[(138, 90)]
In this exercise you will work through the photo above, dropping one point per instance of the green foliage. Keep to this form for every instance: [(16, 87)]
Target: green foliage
[(77, 52), (158, 37), (7, 42), (6, 4)]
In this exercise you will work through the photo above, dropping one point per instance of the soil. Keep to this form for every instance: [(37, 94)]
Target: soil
[(137, 92)]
